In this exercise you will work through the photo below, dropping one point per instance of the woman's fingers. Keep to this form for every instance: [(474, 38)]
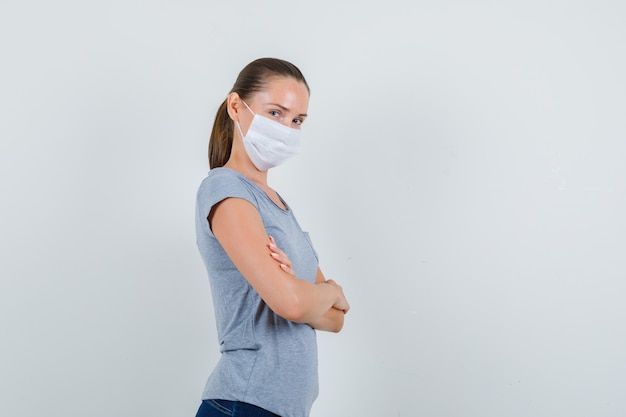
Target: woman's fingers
[(280, 257)]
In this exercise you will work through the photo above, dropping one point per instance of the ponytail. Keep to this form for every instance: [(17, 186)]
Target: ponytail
[(221, 140)]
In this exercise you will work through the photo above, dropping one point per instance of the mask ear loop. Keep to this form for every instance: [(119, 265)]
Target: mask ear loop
[(237, 123), (246, 104), (239, 127)]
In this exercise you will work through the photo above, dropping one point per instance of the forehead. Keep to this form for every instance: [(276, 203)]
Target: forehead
[(285, 91)]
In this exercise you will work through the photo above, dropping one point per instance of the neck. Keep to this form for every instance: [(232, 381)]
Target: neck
[(240, 162)]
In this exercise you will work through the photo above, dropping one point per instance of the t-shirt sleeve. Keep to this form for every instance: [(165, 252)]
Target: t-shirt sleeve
[(219, 187)]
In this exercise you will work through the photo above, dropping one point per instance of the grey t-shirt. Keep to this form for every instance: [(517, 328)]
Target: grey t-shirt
[(266, 360)]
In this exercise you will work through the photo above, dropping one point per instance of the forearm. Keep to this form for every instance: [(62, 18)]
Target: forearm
[(331, 321), (311, 302), (315, 314), (331, 318), (238, 227)]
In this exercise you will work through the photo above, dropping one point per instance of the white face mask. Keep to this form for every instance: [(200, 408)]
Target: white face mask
[(269, 143)]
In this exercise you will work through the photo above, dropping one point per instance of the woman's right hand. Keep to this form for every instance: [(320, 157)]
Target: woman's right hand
[(342, 303)]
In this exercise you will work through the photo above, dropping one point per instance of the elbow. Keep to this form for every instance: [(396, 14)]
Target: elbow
[(336, 328), (336, 319), (294, 310), (339, 327), (338, 323), (295, 304), (294, 316)]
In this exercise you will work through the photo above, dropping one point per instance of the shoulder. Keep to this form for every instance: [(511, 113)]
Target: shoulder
[(223, 179), (222, 183)]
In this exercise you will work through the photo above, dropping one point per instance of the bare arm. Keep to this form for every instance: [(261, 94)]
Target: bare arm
[(238, 227), (332, 320)]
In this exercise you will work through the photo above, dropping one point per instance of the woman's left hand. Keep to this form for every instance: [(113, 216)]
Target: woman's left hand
[(280, 257)]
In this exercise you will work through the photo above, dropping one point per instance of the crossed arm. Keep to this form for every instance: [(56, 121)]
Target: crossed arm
[(332, 320), (238, 227)]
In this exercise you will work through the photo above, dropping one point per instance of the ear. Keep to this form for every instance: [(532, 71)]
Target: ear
[(233, 104)]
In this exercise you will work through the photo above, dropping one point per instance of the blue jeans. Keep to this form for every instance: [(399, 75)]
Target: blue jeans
[(222, 408)]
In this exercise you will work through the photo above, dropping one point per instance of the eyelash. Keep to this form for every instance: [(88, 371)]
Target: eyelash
[(276, 113)]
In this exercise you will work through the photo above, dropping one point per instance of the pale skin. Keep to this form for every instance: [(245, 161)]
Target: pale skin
[(238, 227)]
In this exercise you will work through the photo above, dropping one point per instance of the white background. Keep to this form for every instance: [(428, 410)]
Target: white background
[(463, 176)]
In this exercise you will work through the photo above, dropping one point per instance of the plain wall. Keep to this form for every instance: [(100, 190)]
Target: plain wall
[(462, 176)]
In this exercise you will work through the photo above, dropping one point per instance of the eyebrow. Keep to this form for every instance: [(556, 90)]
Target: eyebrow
[(285, 108)]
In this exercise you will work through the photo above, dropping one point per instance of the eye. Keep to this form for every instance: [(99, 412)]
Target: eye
[(274, 113), (298, 121)]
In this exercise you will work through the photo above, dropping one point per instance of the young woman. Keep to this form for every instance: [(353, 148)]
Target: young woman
[(268, 292)]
